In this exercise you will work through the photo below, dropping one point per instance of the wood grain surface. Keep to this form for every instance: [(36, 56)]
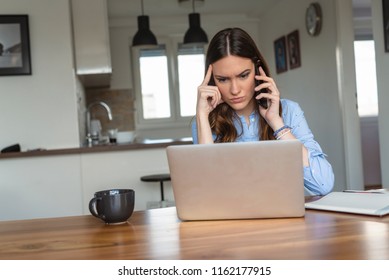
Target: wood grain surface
[(158, 234)]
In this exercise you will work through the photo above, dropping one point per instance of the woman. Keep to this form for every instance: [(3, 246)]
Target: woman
[(228, 111)]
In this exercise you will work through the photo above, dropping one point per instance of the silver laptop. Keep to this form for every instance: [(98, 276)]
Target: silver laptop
[(248, 180)]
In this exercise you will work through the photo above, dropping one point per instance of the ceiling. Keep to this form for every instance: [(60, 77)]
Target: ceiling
[(169, 8), (362, 8), (361, 4)]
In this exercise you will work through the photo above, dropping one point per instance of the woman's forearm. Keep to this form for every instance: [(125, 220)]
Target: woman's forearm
[(290, 136), (204, 132)]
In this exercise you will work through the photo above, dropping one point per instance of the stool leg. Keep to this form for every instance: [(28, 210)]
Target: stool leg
[(162, 194)]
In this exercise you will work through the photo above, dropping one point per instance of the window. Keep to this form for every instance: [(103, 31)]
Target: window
[(366, 78), (165, 83), (190, 74), (154, 80)]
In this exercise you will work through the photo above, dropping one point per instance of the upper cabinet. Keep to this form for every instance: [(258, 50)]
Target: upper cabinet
[(91, 42)]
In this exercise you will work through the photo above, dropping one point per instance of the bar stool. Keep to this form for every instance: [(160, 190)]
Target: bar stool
[(158, 178)]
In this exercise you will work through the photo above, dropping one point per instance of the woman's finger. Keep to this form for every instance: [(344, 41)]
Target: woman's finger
[(207, 77)]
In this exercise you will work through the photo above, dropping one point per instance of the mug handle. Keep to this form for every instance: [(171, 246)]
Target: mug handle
[(92, 207)]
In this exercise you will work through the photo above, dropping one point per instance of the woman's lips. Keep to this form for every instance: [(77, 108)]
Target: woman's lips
[(237, 100)]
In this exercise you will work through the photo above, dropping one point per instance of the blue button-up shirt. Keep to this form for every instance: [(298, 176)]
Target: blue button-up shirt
[(318, 176)]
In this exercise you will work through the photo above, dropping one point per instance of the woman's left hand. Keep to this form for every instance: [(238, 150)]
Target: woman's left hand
[(271, 114)]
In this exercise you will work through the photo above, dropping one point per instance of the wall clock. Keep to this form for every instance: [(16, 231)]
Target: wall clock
[(313, 19)]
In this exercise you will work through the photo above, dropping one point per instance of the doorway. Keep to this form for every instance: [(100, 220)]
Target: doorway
[(367, 97)]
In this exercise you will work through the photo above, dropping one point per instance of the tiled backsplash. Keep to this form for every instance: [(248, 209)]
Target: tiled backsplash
[(121, 102)]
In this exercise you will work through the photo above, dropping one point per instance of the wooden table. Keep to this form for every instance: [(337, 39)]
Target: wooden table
[(158, 234)]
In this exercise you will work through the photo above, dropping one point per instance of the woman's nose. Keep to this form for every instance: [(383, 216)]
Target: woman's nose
[(235, 89)]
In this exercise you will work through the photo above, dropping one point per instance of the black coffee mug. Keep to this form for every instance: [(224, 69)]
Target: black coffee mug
[(113, 206)]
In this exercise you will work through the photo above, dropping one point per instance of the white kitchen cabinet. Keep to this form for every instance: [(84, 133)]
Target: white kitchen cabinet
[(123, 169), (91, 42), (40, 187), (62, 185)]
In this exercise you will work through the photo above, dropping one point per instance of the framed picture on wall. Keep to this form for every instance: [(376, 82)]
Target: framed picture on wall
[(385, 9), (14, 45), (293, 42), (280, 55)]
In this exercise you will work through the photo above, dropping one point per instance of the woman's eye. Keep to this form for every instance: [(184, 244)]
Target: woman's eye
[(245, 75), (221, 80)]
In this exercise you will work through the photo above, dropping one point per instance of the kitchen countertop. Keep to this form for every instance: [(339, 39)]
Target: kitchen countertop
[(145, 144)]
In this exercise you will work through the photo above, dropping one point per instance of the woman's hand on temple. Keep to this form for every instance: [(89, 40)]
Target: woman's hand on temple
[(208, 97)]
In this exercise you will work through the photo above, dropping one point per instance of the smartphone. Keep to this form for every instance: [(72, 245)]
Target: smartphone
[(263, 101)]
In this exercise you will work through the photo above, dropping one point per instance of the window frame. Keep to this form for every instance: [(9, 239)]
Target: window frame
[(175, 120)]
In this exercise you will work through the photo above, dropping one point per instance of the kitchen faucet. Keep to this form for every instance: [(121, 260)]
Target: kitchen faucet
[(88, 121)]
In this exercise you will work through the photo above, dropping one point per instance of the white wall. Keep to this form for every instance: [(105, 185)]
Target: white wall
[(382, 65), (314, 84), (40, 110)]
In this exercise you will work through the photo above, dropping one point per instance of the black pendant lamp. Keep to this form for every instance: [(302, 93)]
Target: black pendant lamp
[(195, 33), (144, 36)]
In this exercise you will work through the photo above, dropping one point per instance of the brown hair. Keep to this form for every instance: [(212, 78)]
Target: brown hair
[(237, 42)]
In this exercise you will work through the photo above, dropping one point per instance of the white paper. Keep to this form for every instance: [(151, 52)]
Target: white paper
[(358, 203)]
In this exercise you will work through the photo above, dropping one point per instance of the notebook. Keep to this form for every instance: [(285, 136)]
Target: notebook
[(368, 203), (248, 180)]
